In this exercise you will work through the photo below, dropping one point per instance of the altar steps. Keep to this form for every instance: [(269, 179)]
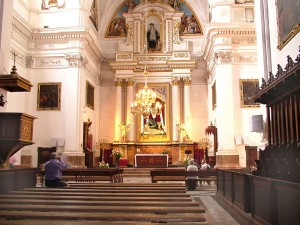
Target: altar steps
[(136, 172)]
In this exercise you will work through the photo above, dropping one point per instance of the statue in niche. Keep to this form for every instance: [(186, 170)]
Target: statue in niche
[(175, 4), (130, 4), (153, 37)]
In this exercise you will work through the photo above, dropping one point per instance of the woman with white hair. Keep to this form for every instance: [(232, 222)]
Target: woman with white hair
[(191, 181)]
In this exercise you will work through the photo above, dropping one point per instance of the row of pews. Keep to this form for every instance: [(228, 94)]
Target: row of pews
[(101, 203)]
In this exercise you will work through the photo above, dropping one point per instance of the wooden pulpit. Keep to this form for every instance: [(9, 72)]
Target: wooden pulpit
[(15, 132)]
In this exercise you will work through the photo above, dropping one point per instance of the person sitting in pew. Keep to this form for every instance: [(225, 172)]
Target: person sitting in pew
[(205, 166), (53, 171), (191, 181)]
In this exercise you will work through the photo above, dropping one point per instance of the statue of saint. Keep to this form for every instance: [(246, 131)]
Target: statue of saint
[(152, 37)]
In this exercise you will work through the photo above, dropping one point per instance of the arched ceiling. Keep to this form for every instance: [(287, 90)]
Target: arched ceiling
[(107, 9)]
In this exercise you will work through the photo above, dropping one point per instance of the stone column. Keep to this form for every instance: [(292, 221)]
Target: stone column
[(129, 115), (118, 108), (186, 92), (175, 108), (227, 155), (6, 11)]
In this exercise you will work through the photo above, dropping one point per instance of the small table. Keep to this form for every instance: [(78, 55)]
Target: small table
[(151, 160)]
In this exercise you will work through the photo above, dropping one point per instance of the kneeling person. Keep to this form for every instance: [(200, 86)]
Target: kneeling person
[(191, 181), (53, 171)]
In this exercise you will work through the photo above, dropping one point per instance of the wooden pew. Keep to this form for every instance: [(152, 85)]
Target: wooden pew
[(113, 175), (181, 175), (102, 203)]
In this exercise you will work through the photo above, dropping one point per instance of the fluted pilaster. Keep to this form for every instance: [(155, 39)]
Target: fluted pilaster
[(129, 115), (118, 108), (175, 108)]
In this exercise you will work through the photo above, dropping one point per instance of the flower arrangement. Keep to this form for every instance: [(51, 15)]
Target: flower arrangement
[(186, 160), (103, 165), (204, 143), (117, 153)]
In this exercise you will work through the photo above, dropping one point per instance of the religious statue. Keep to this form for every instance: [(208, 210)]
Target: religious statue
[(153, 37), (130, 4), (124, 128), (182, 132)]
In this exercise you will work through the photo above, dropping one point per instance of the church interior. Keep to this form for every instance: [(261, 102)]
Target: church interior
[(160, 82)]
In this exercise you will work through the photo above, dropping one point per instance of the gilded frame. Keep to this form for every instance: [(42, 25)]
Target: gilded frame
[(48, 96), (288, 24), (248, 89), (146, 138), (89, 95)]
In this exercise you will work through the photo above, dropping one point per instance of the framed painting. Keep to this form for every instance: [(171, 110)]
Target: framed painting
[(49, 96), (214, 96), (248, 88), (288, 20), (89, 98), (156, 127)]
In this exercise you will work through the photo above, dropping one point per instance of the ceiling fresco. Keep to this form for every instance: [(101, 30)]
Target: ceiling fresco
[(190, 24)]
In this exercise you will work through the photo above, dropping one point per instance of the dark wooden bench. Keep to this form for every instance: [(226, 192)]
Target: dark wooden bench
[(91, 204), (113, 175), (181, 175)]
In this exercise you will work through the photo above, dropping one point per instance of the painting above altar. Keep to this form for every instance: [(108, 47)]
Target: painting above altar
[(155, 128)]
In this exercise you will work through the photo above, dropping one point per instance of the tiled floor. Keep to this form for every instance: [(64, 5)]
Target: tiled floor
[(205, 194)]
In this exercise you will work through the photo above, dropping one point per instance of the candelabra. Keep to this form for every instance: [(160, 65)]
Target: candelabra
[(103, 144)]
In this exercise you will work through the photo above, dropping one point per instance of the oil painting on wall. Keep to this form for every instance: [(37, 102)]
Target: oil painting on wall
[(48, 96), (288, 20), (248, 88), (89, 100)]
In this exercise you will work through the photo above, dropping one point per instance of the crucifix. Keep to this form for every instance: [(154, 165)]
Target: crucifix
[(14, 69)]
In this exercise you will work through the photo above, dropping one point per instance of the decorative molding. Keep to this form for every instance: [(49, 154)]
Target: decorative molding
[(124, 56), (21, 29), (57, 36), (224, 57), (49, 62), (153, 58), (130, 81), (169, 33), (118, 82), (187, 81), (29, 61), (175, 81), (137, 36), (76, 60), (130, 35), (176, 28), (181, 55)]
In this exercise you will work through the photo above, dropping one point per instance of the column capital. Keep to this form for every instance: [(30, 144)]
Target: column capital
[(175, 81), (118, 82), (187, 81), (130, 81)]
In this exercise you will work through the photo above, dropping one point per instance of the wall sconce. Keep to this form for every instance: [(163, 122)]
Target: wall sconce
[(2, 101)]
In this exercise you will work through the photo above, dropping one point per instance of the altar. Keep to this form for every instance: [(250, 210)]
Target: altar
[(151, 160)]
